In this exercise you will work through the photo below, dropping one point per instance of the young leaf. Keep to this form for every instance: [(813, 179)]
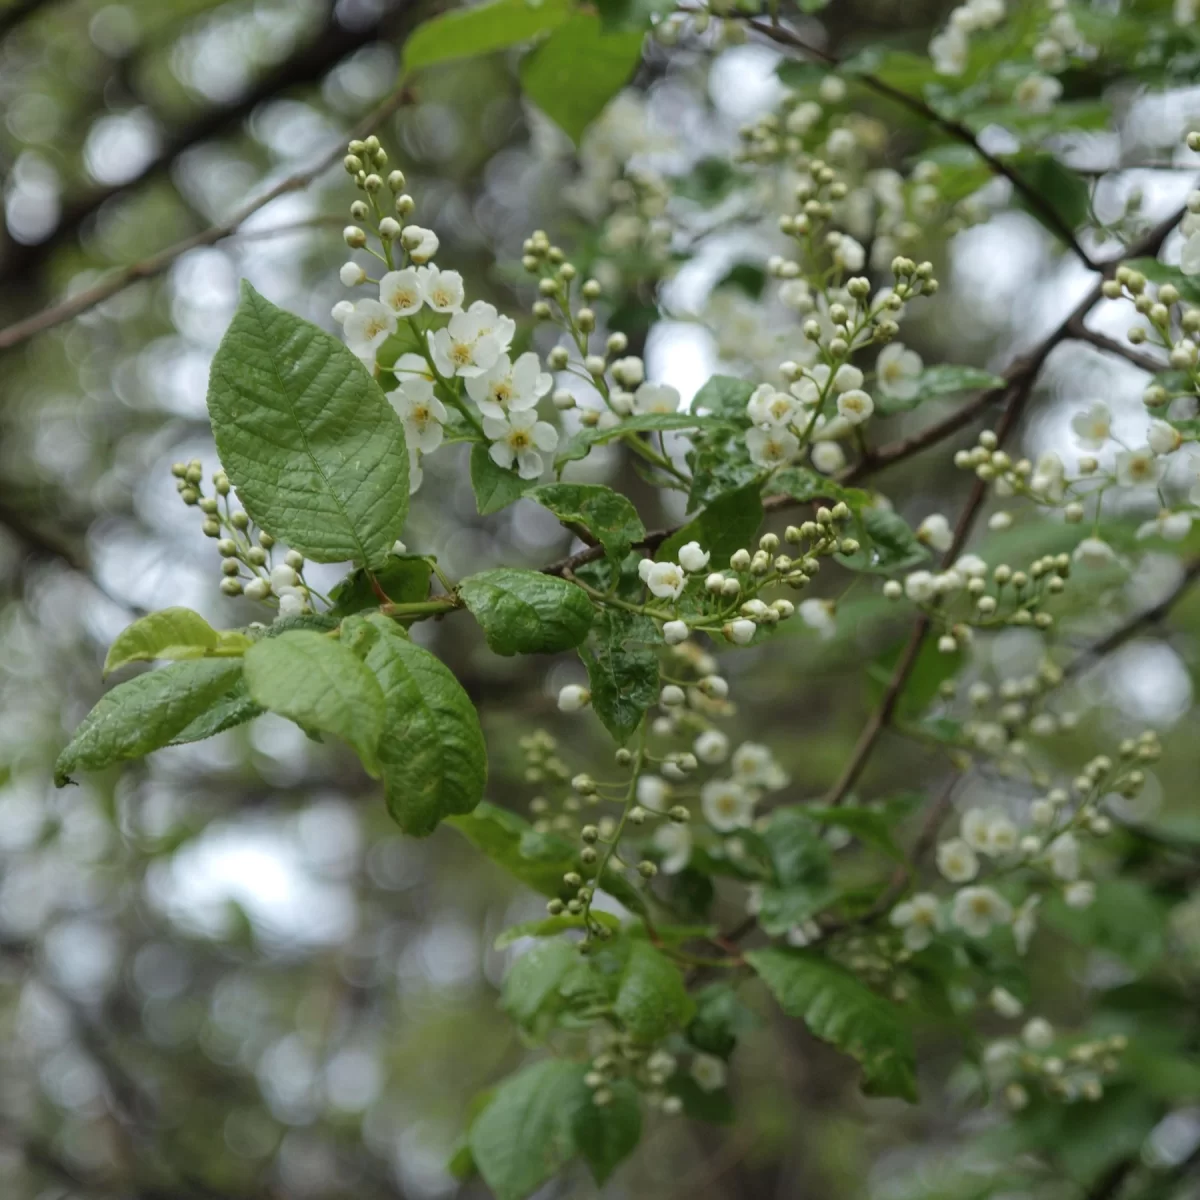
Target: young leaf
[(607, 515), (727, 524), (580, 443), (483, 29), (431, 751), (622, 669), (890, 544), (724, 396), (316, 452), (524, 1136), (320, 684), (171, 633), (145, 714), (526, 612), (945, 379), (652, 999), (404, 579), (840, 1010), (495, 487), (578, 69), (534, 978), (607, 1134)]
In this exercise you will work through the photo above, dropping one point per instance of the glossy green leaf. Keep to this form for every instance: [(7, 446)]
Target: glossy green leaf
[(321, 685), (727, 524), (404, 579), (652, 999), (580, 443), (534, 978), (431, 751), (607, 1134), (578, 69), (225, 712), (889, 544), (481, 29), (527, 612), (807, 485), (145, 714), (622, 667), (171, 633), (607, 515), (838, 1009), (494, 486), (524, 1136), (306, 436)]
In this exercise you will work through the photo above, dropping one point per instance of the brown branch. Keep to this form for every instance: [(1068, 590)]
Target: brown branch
[(308, 63), (19, 13), (955, 129), (156, 264), (1147, 362)]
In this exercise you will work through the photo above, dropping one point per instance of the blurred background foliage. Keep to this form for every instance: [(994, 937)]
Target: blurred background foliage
[(222, 971)]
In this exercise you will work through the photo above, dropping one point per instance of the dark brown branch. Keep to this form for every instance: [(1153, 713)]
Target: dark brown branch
[(1147, 362), (307, 64), (954, 129)]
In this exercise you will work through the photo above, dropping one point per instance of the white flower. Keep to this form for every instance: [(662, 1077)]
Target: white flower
[(675, 842), (1036, 93), (507, 387), (818, 615), (472, 341), (573, 697), (652, 791), (956, 861), (709, 1072), (421, 244), (1003, 836), (1173, 527), (664, 579), (291, 604), (692, 558), (935, 532), (675, 632), (726, 804), (949, 52), (401, 291), (711, 747), (1005, 1003), (1080, 894), (919, 917), (1163, 438), (1189, 256), (1025, 923), (1063, 855), (442, 290), (415, 474), (898, 371), (971, 566), (1093, 426), (855, 406), (977, 909), (920, 587), (975, 826), (351, 274), (1038, 1033), (846, 378), (421, 411), (655, 398), (753, 764), (771, 447), (368, 327), (518, 439), (828, 457), (1049, 477), (1137, 468), (412, 364), (849, 254), (766, 406), (1094, 552)]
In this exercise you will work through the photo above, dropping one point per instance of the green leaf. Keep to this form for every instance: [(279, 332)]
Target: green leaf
[(483, 29), (495, 487), (578, 69), (526, 612), (534, 978), (798, 853), (226, 712), (806, 485), (727, 524), (608, 516), (652, 999), (552, 926), (539, 860), (632, 14), (171, 633), (724, 396), (525, 1136), (431, 750), (316, 452), (321, 685), (869, 826), (1065, 192), (580, 443), (1159, 273), (622, 668), (607, 1134), (721, 1018), (890, 544), (404, 579), (840, 1010), (145, 714), (942, 380)]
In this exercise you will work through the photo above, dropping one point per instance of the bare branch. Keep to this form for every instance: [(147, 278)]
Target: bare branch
[(1081, 333)]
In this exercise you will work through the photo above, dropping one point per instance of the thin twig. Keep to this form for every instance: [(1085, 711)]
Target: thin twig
[(1081, 333), (156, 264), (1048, 215)]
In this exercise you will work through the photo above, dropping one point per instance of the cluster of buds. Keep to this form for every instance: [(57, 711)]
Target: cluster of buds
[(364, 163), (1170, 323), (1040, 1060)]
